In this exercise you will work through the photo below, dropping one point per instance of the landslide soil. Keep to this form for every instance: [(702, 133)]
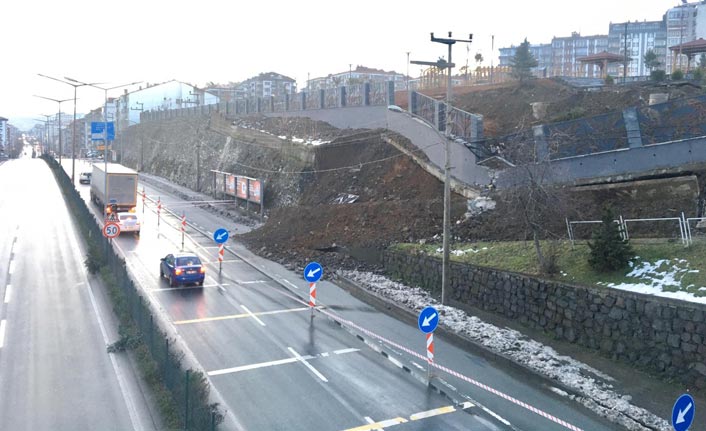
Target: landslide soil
[(397, 201)]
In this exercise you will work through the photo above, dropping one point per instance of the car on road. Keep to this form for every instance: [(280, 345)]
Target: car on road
[(84, 178), (182, 268), (129, 222)]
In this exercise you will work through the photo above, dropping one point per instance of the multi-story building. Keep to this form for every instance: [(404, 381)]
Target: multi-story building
[(566, 51), (268, 84), (684, 23), (637, 39), (4, 138), (541, 52), (158, 97), (359, 75)]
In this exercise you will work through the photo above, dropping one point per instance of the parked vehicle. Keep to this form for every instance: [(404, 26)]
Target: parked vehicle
[(129, 222), (114, 190), (84, 178), (182, 268)]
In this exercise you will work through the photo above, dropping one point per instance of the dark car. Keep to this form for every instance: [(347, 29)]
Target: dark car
[(182, 268)]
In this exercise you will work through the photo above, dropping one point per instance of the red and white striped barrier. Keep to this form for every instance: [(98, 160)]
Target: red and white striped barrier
[(220, 252), (312, 295), (430, 347)]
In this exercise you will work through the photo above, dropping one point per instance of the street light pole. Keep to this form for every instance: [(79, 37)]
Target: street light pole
[(73, 140), (447, 177), (105, 127), (59, 102)]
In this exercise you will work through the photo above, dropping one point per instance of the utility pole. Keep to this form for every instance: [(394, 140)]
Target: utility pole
[(492, 54), (59, 102), (625, 49), (447, 165), (408, 52)]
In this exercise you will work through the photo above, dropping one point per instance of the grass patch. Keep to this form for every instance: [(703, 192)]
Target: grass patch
[(573, 261)]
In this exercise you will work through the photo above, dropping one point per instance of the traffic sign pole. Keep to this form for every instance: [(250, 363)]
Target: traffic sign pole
[(312, 297), (159, 209), (427, 322), (220, 258), (312, 273), (430, 353), (183, 230)]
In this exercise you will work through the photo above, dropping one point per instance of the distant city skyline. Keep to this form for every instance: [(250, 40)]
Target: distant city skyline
[(219, 42)]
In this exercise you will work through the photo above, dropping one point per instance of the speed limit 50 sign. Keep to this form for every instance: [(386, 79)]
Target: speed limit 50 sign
[(111, 230)]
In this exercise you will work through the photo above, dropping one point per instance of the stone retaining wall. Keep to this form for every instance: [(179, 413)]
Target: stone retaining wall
[(657, 334)]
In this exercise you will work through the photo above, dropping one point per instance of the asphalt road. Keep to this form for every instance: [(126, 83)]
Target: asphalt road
[(55, 373), (276, 367)]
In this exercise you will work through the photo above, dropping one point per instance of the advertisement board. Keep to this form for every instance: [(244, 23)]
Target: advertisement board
[(230, 185), (255, 191)]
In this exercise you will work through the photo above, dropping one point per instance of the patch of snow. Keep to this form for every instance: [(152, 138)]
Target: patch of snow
[(651, 278), (596, 391), (297, 140), (282, 137)]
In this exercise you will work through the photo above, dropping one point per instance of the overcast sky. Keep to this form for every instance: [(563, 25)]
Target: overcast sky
[(213, 40)]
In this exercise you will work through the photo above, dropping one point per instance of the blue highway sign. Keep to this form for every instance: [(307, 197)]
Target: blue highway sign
[(428, 319), (220, 236), (313, 272), (683, 413), (98, 129)]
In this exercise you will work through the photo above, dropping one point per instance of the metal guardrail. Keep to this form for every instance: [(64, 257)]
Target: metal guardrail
[(682, 221)]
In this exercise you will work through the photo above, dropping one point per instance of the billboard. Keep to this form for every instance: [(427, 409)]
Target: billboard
[(249, 189)]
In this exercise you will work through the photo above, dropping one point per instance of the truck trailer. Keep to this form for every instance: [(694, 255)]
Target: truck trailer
[(114, 189)]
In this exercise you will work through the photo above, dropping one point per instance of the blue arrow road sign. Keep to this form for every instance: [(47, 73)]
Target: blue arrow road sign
[(428, 319), (220, 236), (683, 413), (313, 272)]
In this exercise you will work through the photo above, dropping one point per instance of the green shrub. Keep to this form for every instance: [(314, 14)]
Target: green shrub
[(658, 75), (609, 251), (609, 80), (677, 75), (698, 75)]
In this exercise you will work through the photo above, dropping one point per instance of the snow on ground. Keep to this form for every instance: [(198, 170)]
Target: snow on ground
[(653, 278), (597, 391)]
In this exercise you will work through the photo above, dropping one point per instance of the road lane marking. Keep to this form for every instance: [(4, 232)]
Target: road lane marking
[(344, 351), (253, 366), (270, 363), (373, 426), (238, 316), (308, 365), (2, 333), (12, 267), (252, 315), (370, 421), (289, 283), (252, 282), (431, 413), (379, 425), (8, 289)]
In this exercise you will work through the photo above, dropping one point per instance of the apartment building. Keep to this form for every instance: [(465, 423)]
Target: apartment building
[(541, 52), (633, 40), (359, 75)]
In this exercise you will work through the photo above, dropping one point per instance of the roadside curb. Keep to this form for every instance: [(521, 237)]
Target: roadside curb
[(409, 316)]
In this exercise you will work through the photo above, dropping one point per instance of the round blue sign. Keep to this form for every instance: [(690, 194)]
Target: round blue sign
[(428, 319), (220, 236), (683, 413), (313, 272)]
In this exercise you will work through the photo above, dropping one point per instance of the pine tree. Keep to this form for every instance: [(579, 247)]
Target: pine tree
[(523, 62), (609, 252)]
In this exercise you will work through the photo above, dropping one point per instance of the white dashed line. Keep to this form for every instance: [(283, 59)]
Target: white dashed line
[(2, 333), (290, 283), (252, 315), (12, 267), (8, 289), (308, 365)]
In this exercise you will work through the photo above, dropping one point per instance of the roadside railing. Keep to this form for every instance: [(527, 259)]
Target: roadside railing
[(189, 388), (681, 223)]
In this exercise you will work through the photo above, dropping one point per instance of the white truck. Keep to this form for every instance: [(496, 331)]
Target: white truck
[(114, 188)]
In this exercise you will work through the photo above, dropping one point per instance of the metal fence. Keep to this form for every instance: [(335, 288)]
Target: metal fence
[(671, 227), (188, 388)]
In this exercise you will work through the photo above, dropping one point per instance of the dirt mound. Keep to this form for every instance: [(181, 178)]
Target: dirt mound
[(508, 108)]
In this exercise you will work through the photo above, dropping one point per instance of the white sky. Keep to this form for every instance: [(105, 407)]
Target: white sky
[(211, 40)]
